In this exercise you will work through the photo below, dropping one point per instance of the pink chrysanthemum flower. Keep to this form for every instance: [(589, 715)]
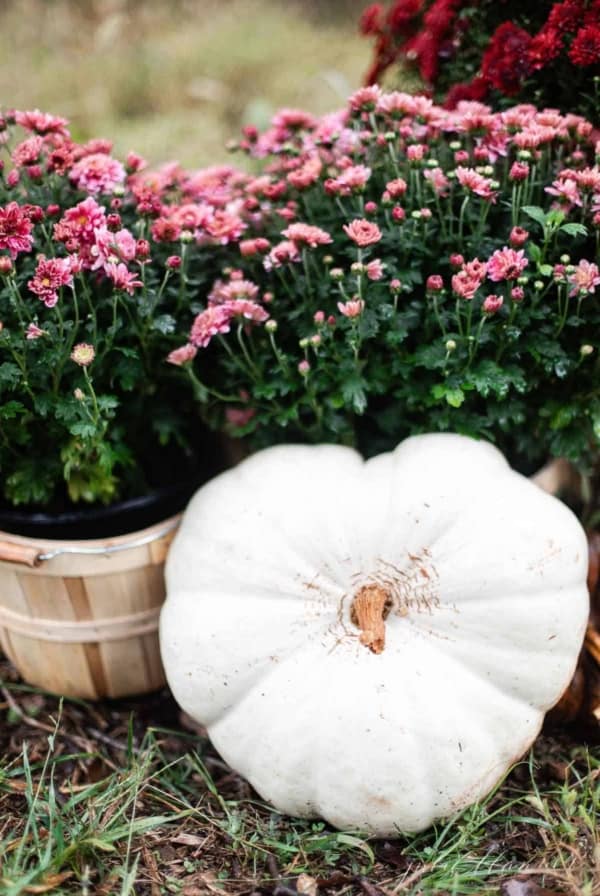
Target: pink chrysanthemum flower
[(225, 227), (396, 188), (566, 190), (256, 246), (363, 232), (285, 252), (232, 290), (123, 279), (476, 183), (374, 269), (396, 104), (365, 99), (307, 174), (465, 285), (247, 309), (15, 230), (97, 173), (34, 332), (182, 355), (215, 319), (506, 264), (307, 234), (352, 180), (50, 275), (492, 304), (27, 152), (438, 180), (77, 226), (351, 308), (41, 122), (584, 279), (83, 354), (111, 248)]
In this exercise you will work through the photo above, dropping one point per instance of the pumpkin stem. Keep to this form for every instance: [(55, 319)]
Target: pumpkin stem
[(369, 609)]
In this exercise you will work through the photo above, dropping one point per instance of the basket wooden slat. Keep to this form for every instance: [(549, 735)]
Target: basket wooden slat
[(104, 606)]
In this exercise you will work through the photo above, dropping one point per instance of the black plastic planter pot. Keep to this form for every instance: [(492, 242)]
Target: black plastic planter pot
[(101, 522)]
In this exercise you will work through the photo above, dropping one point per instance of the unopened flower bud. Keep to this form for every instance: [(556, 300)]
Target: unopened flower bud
[(113, 222), (565, 259), (492, 304), (336, 274), (303, 343), (271, 326), (142, 249), (328, 259), (6, 266), (319, 317), (395, 285), (450, 345), (315, 339), (119, 190), (538, 285), (186, 236), (79, 394), (586, 350), (173, 262), (434, 283), (357, 267), (303, 368)]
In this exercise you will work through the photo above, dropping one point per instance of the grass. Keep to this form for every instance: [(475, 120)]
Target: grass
[(120, 798), (177, 79)]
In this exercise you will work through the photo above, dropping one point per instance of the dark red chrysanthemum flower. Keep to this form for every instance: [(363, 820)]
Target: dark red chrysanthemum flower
[(566, 17), (476, 89), (505, 64), (544, 47), (441, 15), (585, 49), (400, 18), (371, 21)]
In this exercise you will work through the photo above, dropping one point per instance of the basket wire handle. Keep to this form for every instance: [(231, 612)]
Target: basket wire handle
[(29, 555)]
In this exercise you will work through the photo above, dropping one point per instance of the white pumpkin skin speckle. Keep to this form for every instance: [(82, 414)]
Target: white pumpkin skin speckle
[(483, 577)]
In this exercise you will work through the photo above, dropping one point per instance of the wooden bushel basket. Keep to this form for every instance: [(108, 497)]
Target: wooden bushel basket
[(80, 618)]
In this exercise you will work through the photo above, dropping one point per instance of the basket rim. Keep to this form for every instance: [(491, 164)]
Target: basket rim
[(48, 549)]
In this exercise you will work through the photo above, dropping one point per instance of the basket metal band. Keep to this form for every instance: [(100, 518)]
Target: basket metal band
[(71, 631), (110, 549)]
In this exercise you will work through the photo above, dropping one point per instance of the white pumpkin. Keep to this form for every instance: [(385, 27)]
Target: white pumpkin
[(374, 642)]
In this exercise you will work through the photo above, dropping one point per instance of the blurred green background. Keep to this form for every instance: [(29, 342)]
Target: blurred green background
[(176, 80)]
